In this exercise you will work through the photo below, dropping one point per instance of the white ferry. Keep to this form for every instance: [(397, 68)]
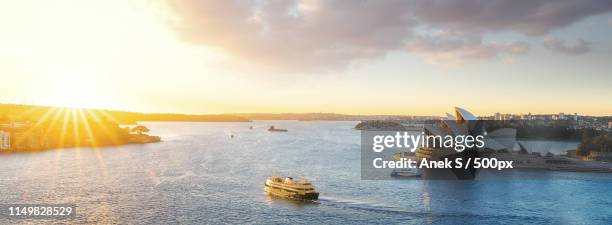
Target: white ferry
[(287, 187)]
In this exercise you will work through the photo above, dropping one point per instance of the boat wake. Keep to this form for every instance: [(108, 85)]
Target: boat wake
[(372, 207), (357, 204), (173, 179)]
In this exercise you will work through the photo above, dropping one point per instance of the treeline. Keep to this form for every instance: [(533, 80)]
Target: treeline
[(15, 112), (594, 141), (130, 117), (320, 116), (381, 125)]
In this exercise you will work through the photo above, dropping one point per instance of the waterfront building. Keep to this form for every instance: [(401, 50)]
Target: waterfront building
[(600, 156), (5, 140), (19, 136), (15, 125), (27, 140)]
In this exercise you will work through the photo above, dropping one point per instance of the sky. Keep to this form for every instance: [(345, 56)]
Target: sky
[(419, 57)]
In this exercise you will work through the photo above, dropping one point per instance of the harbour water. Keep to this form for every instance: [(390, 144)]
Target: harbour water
[(199, 174)]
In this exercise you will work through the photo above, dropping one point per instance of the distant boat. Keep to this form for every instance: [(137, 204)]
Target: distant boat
[(273, 129), (251, 128), (405, 173)]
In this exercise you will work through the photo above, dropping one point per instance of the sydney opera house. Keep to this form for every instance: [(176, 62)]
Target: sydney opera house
[(461, 123), (500, 144)]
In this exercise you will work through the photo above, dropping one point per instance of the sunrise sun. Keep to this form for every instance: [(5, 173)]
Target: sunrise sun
[(75, 92)]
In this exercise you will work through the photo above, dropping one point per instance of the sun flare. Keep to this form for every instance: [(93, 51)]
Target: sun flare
[(75, 92)]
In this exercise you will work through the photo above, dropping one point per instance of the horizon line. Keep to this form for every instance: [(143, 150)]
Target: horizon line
[(281, 113)]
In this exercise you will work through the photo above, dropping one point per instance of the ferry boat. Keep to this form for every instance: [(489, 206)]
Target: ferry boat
[(287, 187), (274, 129)]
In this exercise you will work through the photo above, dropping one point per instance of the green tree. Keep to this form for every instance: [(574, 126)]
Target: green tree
[(140, 129)]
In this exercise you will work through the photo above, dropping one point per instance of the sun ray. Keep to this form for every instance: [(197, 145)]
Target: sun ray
[(75, 126), (28, 112), (54, 114), (90, 135), (113, 137), (31, 129), (109, 116), (62, 137), (93, 140), (43, 118), (51, 127)]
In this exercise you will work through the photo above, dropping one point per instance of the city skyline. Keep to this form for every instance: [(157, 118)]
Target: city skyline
[(371, 58)]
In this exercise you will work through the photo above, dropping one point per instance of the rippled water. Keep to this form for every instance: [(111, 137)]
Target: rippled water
[(199, 175)]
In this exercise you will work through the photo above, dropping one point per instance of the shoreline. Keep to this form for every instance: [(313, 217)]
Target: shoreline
[(135, 139)]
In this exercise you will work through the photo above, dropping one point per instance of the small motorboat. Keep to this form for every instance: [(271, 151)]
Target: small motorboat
[(405, 173)]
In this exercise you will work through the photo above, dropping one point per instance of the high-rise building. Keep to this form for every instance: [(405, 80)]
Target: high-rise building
[(498, 116)]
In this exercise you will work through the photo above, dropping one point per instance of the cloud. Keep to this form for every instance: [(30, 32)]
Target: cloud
[(579, 47), (329, 35), (534, 17), (295, 33), (450, 49)]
